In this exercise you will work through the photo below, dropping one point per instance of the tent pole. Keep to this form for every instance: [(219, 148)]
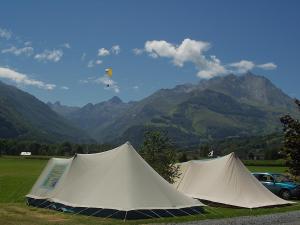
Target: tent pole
[(125, 216)]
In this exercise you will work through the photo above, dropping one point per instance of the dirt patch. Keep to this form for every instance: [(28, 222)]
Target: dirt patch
[(50, 218), (38, 214)]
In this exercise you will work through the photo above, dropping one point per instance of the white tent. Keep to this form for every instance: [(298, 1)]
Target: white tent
[(224, 180), (117, 183)]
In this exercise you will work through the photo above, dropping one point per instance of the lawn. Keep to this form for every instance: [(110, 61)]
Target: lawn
[(17, 176), (273, 169)]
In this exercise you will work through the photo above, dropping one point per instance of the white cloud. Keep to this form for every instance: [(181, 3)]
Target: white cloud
[(27, 43), (83, 81), (83, 56), (92, 63), (267, 66), (192, 51), (103, 52), (98, 62), (49, 55), (5, 34), (109, 83), (66, 45), (23, 79), (153, 55), (210, 68), (136, 87), (115, 49), (19, 51), (242, 66), (88, 80), (245, 65), (138, 51), (64, 88), (188, 51)]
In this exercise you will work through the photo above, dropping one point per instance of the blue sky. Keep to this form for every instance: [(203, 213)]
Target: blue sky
[(52, 49)]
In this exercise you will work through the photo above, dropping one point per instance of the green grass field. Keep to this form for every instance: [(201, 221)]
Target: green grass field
[(17, 176), (273, 169)]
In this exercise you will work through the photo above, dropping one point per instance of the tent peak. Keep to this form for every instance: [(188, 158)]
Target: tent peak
[(232, 154), (128, 144)]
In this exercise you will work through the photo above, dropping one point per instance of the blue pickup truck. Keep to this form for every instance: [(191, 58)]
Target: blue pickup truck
[(279, 184)]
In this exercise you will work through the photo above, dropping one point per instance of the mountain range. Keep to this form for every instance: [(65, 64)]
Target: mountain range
[(228, 106), (23, 116)]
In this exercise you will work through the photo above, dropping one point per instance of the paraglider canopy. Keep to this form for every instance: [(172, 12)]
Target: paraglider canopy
[(108, 72)]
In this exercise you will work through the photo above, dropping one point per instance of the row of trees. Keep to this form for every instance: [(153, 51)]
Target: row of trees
[(15, 147)]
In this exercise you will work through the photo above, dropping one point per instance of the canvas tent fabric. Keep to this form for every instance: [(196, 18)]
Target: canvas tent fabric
[(224, 180), (118, 181)]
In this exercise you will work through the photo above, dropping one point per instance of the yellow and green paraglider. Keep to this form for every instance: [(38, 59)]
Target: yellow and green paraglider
[(109, 73)]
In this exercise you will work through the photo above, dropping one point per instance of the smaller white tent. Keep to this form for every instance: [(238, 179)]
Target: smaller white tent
[(116, 183), (224, 180)]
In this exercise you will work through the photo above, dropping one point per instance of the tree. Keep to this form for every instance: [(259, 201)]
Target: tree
[(291, 128), (159, 153), (66, 148), (183, 157), (273, 153), (44, 149), (79, 149), (251, 156), (2, 146), (34, 148), (204, 150)]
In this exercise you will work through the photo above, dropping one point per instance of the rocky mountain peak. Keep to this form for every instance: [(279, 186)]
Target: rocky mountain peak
[(115, 100), (249, 88)]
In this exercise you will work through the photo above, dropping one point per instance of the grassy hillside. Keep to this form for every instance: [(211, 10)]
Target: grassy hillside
[(23, 116)]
